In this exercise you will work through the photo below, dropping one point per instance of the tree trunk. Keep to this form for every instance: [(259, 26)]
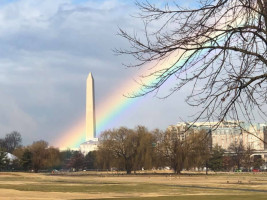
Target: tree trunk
[(128, 171), (128, 167)]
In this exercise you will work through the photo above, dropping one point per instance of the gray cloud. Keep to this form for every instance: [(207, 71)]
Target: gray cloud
[(47, 50)]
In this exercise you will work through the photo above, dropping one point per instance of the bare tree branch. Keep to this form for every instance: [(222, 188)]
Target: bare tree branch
[(218, 46)]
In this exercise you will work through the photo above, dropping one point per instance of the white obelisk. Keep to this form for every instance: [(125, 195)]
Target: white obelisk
[(90, 108)]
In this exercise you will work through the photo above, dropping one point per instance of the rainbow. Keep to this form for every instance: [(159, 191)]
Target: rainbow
[(108, 111)]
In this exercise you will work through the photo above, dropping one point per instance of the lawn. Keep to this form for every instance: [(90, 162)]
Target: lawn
[(81, 186)]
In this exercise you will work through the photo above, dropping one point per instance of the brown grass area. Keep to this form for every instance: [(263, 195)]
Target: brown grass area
[(93, 185)]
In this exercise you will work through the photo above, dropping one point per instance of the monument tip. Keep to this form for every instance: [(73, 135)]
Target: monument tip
[(90, 75)]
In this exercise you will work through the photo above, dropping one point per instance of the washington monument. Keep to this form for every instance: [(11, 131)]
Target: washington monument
[(90, 108)]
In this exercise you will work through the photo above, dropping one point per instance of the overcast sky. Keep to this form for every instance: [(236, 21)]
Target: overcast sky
[(47, 49)]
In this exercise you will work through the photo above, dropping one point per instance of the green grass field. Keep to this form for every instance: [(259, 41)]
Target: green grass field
[(87, 185)]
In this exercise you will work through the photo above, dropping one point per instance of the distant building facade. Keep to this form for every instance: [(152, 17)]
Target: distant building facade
[(90, 145), (251, 135)]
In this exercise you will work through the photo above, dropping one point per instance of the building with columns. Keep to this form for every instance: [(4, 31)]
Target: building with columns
[(251, 135)]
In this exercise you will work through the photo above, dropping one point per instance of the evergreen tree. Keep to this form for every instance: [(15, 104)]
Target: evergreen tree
[(215, 162)]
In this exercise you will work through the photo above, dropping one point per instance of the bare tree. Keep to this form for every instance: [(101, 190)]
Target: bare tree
[(183, 152), (175, 150), (12, 141), (127, 149), (104, 157), (238, 150), (200, 147), (2, 144), (39, 154), (145, 153), (122, 145), (219, 46), (53, 158), (76, 161), (248, 158)]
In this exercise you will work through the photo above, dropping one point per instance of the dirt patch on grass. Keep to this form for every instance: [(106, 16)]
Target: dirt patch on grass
[(8, 194)]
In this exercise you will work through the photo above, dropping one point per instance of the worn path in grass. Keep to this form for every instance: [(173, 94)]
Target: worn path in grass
[(27, 186)]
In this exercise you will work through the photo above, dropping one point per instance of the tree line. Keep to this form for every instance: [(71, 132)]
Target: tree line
[(39, 156), (138, 149), (131, 150), (237, 156)]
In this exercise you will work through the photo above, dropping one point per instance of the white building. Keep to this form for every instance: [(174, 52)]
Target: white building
[(251, 135), (90, 145)]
